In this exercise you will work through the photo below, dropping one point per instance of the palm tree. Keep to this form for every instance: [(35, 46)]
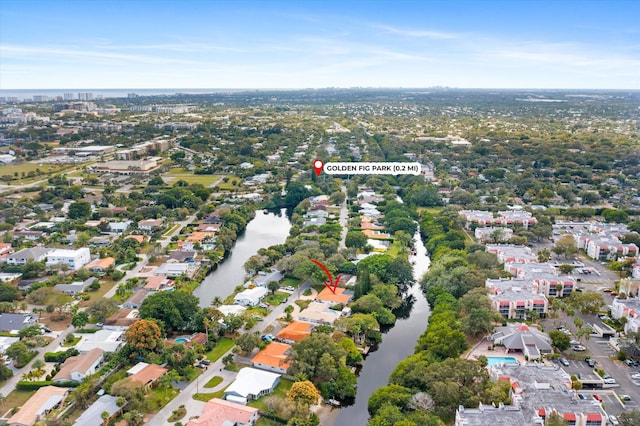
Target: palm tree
[(217, 301)]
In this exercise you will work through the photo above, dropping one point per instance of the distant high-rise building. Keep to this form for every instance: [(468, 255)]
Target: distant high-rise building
[(40, 98), (85, 96), (69, 96), (132, 95)]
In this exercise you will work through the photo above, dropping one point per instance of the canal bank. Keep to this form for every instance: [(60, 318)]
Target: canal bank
[(266, 229), (397, 344)]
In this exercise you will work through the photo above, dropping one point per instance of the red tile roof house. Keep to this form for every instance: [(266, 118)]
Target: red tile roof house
[(273, 358), (219, 412)]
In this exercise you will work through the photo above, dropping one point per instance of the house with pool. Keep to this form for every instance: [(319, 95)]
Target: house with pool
[(520, 338)]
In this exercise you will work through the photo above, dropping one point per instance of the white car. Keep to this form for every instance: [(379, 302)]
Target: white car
[(610, 381), (613, 420), (8, 361), (635, 376)]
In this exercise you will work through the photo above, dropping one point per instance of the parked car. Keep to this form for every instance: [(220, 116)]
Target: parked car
[(205, 362), (609, 381), (597, 397), (563, 361), (625, 397), (582, 396), (614, 420), (635, 376), (590, 362), (578, 348), (8, 361)]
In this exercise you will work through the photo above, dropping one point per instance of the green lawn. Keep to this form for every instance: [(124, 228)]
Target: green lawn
[(280, 390), (159, 397), (187, 176), (215, 381), (17, 398), (204, 397), (223, 345), (45, 170), (293, 282), (276, 298)]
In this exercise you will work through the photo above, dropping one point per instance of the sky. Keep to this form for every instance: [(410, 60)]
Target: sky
[(561, 44)]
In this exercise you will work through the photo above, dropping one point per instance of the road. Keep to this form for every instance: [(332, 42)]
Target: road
[(144, 259), (10, 384), (185, 397)]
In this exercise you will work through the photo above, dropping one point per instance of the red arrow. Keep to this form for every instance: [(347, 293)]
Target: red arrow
[(330, 284)]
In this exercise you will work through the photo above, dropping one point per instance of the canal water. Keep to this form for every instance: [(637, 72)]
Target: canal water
[(264, 230), (397, 344)]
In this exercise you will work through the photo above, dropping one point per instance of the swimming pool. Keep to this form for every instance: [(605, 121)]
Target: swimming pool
[(493, 360), (181, 340)]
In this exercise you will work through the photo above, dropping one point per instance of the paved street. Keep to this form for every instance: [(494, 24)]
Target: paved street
[(10, 384)]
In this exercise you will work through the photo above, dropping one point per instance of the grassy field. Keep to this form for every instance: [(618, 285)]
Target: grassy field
[(187, 176), (105, 286), (221, 348), (159, 397), (229, 184), (46, 170)]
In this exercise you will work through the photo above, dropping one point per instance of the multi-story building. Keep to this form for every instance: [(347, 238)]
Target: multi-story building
[(74, 259), (509, 253), (517, 302), (629, 309)]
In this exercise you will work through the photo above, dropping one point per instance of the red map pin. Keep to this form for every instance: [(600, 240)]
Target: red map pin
[(317, 166)]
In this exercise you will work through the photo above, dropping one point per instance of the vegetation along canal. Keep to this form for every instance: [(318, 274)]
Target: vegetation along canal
[(397, 344)]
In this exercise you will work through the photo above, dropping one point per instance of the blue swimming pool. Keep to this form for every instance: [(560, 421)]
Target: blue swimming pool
[(493, 360), (181, 340)]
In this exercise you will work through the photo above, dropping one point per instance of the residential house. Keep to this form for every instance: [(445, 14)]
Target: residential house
[(208, 227), (251, 297), (274, 357), (250, 384), (76, 287), (76, 368), (136, 299), (100, 266), (340, 295), (319, 313), (182, 256), (107, 340), (172, 269), (139, 238), (295, 331), (29, 235), (218, 412), (36, 254), (150, 225), (119, 227), (15, 322), (74, 259), (375, 234), (101, 241), (38, 406), (148, 375), (158, 283), (92, 416), (122, 319)]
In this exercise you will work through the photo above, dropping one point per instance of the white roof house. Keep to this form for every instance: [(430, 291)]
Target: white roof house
[(231, 309), (107, 340), (251, 297), (250, 384), (74, 259)]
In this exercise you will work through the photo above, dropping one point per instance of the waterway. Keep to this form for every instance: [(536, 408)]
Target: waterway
[(264, 230), (397, 344)]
